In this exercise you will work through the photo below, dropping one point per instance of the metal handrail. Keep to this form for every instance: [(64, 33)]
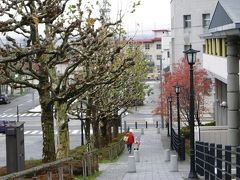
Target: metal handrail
[(36, 169)]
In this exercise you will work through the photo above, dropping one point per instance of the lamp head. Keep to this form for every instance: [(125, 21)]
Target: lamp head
[(191, 55), (177, 88)]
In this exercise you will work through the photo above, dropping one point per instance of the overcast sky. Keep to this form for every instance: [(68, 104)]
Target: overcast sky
[(151, 14)]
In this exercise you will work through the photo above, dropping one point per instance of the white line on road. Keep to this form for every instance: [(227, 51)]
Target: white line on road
[(24, 114), (34, 132), (20, 105), (35, 114), (74, 131), (26, 132)]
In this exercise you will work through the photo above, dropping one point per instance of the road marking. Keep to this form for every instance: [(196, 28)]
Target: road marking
[(20, 105), (34, 132), (74, 132), (29, 101), (10, 115), (4, 115), (24, 114), (36, 114), (29, 115), (26, 132)]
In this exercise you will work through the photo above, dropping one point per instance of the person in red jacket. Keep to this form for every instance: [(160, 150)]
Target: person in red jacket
[(130, 140)]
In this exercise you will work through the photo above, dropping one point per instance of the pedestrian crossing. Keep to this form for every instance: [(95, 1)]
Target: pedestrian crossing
[(39, 132), (20, 115)]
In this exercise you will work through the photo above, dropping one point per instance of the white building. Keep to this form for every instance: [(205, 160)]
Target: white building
[(189, 19), (156, 50), (221, 58)]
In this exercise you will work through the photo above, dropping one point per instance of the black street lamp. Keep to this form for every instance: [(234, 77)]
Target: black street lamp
[(177, 91), (191, 58), (170, 109)]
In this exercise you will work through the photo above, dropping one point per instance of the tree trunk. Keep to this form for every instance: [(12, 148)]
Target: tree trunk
[(115, 125), (48, 151), (95, 126), (62, 128), (104, 138), (109, 132)]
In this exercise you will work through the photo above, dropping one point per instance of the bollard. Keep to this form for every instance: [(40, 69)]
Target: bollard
[(135, 125), (131, 164), (174, 163), (167, 155), (156, 124), (142, 131), (146, 124), (137, 155), (158, 130)]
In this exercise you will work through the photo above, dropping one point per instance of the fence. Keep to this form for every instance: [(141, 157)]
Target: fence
[(215, 162), (116, 149), (86, 165), (178, 145)]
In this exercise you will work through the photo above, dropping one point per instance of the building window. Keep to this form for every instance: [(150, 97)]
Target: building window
[(148, 57), (187, 21), (205, 20), (159, 57), (147, 46), (158, 46)]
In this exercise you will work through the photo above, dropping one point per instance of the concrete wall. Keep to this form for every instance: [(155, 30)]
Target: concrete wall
[(212, 134)]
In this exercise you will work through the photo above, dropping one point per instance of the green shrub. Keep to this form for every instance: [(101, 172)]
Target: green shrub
[(185, 132)]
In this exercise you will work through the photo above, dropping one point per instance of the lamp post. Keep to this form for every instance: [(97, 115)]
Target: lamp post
[(191, 58), (170, 109), (177, 91)]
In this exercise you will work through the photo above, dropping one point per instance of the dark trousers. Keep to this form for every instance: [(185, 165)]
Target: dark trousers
[(129, 148)]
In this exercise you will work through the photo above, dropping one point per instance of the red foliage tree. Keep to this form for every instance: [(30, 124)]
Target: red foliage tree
[(180, 75)]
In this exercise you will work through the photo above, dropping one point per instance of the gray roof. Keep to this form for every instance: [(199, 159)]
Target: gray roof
[(226, 17)]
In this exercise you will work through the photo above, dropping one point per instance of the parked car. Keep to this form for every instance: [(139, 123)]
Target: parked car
[(3, 124), (4, 99)]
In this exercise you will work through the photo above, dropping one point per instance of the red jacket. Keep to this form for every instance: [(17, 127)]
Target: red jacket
[(130, 138)]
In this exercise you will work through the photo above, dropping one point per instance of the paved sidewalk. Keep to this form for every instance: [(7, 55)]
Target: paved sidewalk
[(151, 166)]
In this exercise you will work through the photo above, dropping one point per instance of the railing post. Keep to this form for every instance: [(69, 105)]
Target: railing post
[(49, 175), (206, 161), (60, 173), (156, 124), (212, 161), (238, 163), (146, 125), (182, 149), (228, 160), (136, 125), (71, 170), (200, 158), (219, 161)]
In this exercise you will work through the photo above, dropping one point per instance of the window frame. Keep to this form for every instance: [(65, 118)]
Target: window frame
[(147, 46), (206, 20), (187, 22), (158, 46)]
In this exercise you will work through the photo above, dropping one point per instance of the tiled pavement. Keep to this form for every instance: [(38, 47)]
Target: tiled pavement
[(151, 166)]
